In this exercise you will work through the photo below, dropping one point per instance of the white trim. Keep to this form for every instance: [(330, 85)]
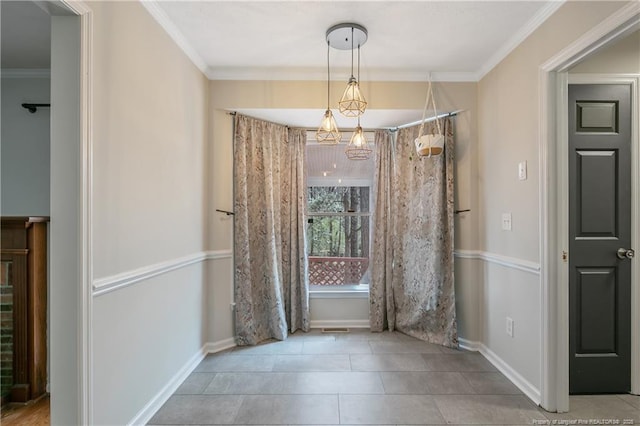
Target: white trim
[(312, 74), (25, 73), (514, 377), (525, 31), (520, 382), (116, 282), (338, 294), (218, 254), (523, 384), (468, 345), (498, 259), (220, 345), (154, 404), (174, 383), (553, 209), (339, 323), (616, 26), (176, 35), (85, 151)]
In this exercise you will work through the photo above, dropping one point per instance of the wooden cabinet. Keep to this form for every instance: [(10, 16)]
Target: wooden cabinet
[(23, 287)]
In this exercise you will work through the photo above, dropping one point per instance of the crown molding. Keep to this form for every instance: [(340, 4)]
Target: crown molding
[(533, 24), (308, 74), (176, 35), (25, 73)]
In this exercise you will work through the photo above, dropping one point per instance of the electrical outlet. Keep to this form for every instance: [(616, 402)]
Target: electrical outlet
[(506, 221), (522, 170), (509, 327)]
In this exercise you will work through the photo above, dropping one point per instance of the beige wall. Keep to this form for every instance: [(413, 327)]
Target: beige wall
[(231, 95), (149, 185), (621, 57), (508, 124)]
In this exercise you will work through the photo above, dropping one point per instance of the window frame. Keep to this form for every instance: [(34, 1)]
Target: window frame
[(348, 290)]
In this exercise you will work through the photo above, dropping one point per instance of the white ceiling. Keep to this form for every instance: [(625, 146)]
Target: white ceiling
[(407, 40), (26, 36), (285, 40)]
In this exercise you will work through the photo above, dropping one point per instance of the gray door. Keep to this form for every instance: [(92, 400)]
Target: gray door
[(599, 225)]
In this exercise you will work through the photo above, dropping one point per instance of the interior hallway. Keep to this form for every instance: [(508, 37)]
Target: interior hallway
[(35, 413), (364, 378)]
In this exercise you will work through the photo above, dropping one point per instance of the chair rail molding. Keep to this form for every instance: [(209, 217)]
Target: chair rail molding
[(119, 281), (499, 259)]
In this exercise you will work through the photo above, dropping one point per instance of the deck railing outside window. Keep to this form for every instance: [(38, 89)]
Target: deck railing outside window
[(337, 271)]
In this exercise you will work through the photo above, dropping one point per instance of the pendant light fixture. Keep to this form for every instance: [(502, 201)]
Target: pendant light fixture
[(358, 147), (348, 36), (328, 133)]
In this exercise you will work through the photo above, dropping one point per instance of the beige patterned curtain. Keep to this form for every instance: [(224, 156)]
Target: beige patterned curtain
[(271, 284), (412, 288)]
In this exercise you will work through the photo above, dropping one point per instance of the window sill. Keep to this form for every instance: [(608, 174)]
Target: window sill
[(341, 292)]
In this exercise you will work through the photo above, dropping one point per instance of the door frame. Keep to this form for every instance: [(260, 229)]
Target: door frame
[(79, 273), (554, 209)]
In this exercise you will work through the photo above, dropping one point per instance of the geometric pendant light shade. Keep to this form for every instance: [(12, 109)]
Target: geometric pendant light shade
[(352, 103), (328, 133), (358, 147), (349, 36)]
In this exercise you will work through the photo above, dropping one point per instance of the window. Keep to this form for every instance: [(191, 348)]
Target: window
[(338, 219)]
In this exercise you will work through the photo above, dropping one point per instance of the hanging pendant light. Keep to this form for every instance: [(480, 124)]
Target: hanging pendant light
[(358, 147), (328, 133), (348, 36)]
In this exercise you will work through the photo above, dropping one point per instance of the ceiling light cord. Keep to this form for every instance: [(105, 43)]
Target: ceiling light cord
[(358, 63), (351, 52), (328, 76)]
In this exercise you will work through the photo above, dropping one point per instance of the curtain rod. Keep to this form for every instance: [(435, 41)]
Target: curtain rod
[(415, 123), (311, 129), (391, 129)]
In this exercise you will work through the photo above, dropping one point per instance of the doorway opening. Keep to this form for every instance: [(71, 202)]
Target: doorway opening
[(554, 224)]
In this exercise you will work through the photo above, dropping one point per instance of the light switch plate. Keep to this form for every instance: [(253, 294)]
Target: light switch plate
[(509, 327), (506, 221), (522, 170)]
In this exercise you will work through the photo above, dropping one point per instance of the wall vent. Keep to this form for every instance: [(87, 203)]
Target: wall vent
[(335, 330)]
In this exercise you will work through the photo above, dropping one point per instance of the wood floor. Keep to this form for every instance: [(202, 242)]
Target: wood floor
[(33, 414)]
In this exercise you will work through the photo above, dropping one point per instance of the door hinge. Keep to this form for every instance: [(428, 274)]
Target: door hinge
[(565, 256)]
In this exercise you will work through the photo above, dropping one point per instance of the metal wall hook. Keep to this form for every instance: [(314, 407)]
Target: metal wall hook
[(32, 108)]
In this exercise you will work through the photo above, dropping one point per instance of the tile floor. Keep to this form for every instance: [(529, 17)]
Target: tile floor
[(365, 378)]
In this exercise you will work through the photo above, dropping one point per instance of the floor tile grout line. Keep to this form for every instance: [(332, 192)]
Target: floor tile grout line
[(435, 403)]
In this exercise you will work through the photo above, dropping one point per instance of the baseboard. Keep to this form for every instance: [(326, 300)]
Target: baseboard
[(468, 345), (516, 378), (144, 415), (165, 393), (339, 323), (220, 345), (523, 384)]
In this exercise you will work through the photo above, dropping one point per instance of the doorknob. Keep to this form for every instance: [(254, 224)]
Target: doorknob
[(626, 253)]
